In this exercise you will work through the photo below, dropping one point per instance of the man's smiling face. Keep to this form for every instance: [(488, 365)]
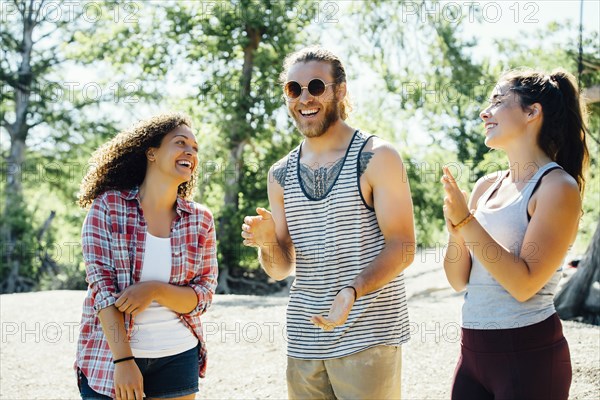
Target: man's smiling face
[(313, 115)]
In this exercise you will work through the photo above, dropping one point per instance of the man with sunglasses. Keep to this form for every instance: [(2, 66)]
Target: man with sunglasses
[(341, 217)]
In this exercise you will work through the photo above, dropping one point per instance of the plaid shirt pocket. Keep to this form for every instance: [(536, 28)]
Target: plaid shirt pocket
[(191, 261), (122, 258)]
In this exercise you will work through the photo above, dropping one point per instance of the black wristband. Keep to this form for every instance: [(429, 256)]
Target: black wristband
[(123, 359), (351, 287)]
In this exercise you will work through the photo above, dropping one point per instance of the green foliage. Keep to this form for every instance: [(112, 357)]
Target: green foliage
[(444, 89), (18, 253), (46, 225), (51, 185), (439, 87), (424, 175), (225, 63), (236, 52), (64, 120)]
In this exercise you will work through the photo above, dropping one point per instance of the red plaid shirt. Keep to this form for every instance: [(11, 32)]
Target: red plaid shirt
[(113, 240)]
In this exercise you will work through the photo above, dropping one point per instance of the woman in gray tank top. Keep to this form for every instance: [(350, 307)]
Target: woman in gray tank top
[(507, 251)]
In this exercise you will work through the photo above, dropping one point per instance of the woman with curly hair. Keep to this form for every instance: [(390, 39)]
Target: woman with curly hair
[(507, 251), (150, 256)]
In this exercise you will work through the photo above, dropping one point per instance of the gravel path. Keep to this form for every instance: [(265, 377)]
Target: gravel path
[(246, 343)]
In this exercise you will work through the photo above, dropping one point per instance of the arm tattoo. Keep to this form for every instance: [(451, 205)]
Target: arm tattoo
[(280, 173), (319, 181), (365, 157)]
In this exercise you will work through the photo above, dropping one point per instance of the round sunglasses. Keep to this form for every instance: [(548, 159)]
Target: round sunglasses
[(316, 87)]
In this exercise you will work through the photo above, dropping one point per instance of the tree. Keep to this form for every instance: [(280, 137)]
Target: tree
[(440, 85), (27, 63), (579, 298), (38, 105), (441, 79), (238, 48)]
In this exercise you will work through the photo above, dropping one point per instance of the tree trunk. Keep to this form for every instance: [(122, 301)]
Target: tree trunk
[(579, 296), (232, 176), (238, 137), (18, 131), (13, 201)]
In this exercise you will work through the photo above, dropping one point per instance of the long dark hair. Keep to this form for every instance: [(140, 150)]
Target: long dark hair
[(121, 162), (563, 133)]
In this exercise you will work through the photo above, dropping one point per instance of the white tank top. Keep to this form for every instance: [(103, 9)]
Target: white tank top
[(158, 331), (487, 304)]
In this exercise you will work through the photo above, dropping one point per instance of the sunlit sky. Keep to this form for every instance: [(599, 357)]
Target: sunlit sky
[(497, 20), (500, 19), (521, 17)]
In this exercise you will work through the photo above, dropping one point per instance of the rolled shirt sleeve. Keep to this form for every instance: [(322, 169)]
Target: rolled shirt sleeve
[(205, 282), (96, 247)]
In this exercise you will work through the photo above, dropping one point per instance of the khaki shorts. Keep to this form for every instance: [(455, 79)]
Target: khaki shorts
[(370, 374)]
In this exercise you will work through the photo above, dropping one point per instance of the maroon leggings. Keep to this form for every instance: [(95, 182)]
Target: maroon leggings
[(532, 362)]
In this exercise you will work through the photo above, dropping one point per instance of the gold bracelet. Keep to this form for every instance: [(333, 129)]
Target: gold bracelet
[(465, 221)]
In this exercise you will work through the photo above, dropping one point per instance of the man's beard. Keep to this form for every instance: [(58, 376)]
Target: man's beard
[(331, 116)]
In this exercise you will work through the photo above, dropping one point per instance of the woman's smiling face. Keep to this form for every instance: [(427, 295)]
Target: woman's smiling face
[(177, 156), (504, 119)]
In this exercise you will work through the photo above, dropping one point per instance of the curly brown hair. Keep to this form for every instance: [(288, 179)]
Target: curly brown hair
[(120, 164)]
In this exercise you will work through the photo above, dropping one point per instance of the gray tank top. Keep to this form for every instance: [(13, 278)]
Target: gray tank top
[(487, 304)]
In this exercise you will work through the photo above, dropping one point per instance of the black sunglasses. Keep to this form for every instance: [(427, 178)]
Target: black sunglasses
[(315, 87)]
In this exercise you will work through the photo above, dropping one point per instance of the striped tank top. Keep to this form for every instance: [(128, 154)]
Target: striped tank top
[(487, 304), (335, 238)]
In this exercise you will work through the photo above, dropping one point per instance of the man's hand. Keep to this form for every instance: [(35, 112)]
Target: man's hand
[(135, 298), (259, 230), (129, 383), (338, 313)]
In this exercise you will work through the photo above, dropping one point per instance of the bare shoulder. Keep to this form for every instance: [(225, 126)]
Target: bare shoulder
[(380, 152), (482, 185), (380, 162), (556, 205), (378, 145), (558, 187), (487, 180), (278, 172)]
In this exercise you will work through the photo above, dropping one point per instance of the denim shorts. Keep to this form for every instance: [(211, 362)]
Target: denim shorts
[(164, 377)]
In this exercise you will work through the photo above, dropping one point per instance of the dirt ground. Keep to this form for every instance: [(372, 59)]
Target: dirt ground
[(246, 343)]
